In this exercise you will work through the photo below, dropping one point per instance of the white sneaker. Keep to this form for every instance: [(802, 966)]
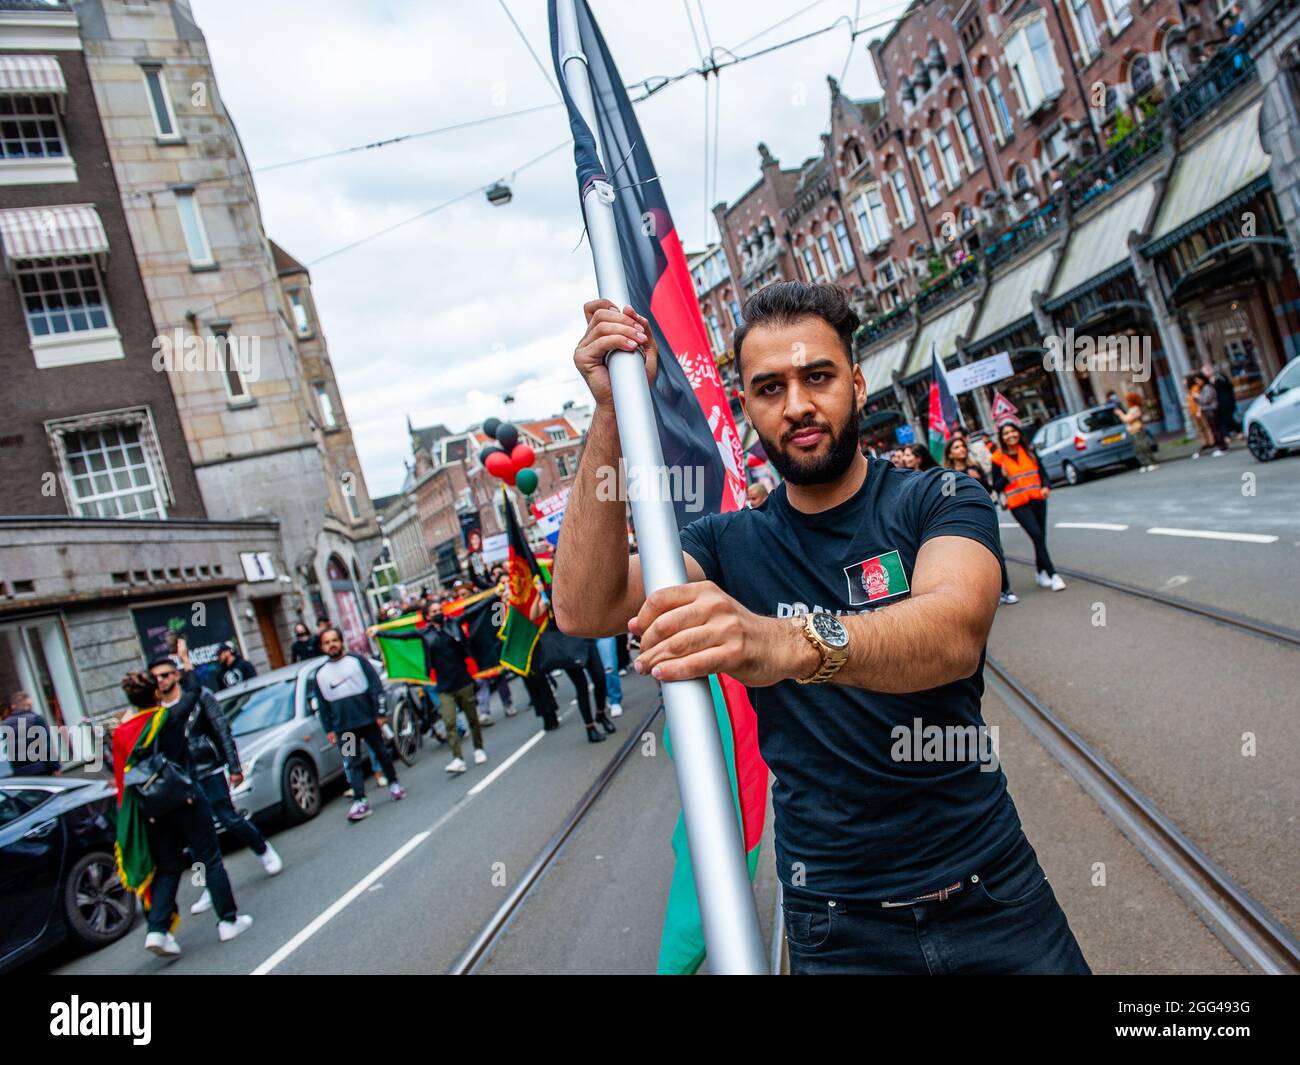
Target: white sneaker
[(204, 904), (381, 780), (615, 709), (480, 756), (227, 930), (456, 765), (271, 861), (1044, 581), (1217, 452), (1196, 455), (1151, 468), (163, 944), (1009, 598), (1057, 585)]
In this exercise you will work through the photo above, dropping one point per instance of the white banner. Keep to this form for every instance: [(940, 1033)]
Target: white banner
[(984, 372)]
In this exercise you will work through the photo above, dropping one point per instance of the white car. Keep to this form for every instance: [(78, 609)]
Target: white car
[(1272, 421)]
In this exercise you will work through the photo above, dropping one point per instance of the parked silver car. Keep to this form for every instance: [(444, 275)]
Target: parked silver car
[(1076, 445), (1272, 421), (282, 744)]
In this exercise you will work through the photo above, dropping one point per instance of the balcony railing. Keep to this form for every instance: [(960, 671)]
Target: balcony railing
[(948, 286), (1030, 230), (1230, 68), (884, 325)]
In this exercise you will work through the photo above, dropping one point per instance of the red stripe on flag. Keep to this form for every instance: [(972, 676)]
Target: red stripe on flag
[(751, 770)]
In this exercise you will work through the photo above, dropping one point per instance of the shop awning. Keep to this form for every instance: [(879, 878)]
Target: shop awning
[(51, 232), (31, 75), (1100, 245), (879, 366), (942, 331), (1211, 172), (1008, 297)]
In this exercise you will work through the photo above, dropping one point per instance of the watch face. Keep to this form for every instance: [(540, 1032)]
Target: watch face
[(828, 627)]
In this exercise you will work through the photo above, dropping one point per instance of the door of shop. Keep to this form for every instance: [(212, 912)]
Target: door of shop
[(266, 609)]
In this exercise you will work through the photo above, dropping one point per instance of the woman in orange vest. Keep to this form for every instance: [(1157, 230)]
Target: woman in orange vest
[(1019, 474)]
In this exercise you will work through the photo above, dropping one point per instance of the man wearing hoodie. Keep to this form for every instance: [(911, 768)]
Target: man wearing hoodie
[(351, 702)]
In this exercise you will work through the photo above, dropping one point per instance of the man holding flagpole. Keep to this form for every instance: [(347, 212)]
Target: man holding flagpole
[(854, 605)]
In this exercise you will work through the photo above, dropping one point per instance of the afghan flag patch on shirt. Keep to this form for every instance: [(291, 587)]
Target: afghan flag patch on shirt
[(876, 578)]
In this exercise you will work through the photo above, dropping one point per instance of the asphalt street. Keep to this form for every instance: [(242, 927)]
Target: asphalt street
[(1231, 496)]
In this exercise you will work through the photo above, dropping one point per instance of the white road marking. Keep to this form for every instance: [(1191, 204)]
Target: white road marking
[(1008, 525), (523, 749), (1104, 526), (365, 883), (1211, 534), (1177, 580), (340, 904)]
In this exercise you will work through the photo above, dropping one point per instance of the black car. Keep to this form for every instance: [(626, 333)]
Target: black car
[(58, 877)]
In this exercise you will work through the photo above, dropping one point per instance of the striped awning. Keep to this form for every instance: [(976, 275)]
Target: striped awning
[(50, 232), (943, 333), (31, 75), (1100, 245), (1009, 297), (878, 367)]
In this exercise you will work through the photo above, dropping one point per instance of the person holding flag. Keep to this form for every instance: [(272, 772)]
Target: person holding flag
[(944, 416), (855, 601)]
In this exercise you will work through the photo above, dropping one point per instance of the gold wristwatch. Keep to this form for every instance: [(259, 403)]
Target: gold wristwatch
[(826, 633)]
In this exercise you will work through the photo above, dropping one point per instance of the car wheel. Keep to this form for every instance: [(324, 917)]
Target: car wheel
[(1261, 444), (97, 906), (300, 789), (1072, 474)]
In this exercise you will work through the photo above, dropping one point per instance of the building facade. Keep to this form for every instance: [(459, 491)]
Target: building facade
[(265, 427)]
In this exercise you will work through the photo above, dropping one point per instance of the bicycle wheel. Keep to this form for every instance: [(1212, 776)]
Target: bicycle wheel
[(406, 732)]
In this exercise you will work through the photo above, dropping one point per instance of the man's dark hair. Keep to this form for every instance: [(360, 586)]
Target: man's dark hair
[(332, 628), (786, 302), (161, 660)]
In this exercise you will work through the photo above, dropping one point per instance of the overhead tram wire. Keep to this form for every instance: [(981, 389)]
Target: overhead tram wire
[(853, 39), (528, 44)]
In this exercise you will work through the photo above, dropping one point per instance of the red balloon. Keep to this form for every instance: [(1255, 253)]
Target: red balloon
[(522, 456), (509, 476), (498, 464)]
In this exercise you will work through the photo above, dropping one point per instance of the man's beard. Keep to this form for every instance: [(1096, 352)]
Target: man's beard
[(817, 469)]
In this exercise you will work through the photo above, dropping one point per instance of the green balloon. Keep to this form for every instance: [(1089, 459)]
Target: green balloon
[(526, 481)]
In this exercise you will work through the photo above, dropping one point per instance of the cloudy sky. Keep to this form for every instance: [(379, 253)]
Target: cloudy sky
[(441, 317)]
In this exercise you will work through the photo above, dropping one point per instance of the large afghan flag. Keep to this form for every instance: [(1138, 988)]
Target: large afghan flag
[(404, 658), (696, 430), (132, 740), (944, 416)]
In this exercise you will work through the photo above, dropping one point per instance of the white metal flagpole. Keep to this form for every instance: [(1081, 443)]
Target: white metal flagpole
[(730, 919)]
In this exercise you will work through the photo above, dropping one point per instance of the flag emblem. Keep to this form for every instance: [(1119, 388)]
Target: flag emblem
[(876, 578)]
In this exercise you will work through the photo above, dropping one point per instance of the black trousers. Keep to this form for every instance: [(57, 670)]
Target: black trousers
[(1033, 519), (189, 827), (217, 793), (539, 691), (594, 668), (350, 745), (624, 654)]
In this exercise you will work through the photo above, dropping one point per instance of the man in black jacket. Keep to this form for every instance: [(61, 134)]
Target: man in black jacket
[(351, 703), (33, 751), (445, 651), (235, 669), (212, 749)]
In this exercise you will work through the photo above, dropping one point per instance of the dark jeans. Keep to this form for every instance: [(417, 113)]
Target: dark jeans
[(596, 670), (217, 793), (1004, 920), (1033, 519), (539, 691), (350, 740), (190, 828)]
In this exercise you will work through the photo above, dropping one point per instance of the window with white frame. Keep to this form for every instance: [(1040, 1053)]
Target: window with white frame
[(160, 104), (810, 262), (555, 434), (886, 275), (928, 175), (301, 319), (1089, 39), (905, 211), (63, 295), (845, 244), (326, 405), (111, 466), (1055, 147), (828, 254), (736, 319), (230, 365), (998, 108), (30, 128), (1033, 66), (715, 333), (350, 496), (969, 134), (948, 153), (1119, 13), (196, 236), (567, 465)]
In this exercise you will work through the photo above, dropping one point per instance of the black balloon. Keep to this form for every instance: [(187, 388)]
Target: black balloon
[(487, 450), (507, 436), (490, 426)]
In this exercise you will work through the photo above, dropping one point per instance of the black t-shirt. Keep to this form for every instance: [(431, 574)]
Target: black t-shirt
[(861, 809), (241, 669)]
